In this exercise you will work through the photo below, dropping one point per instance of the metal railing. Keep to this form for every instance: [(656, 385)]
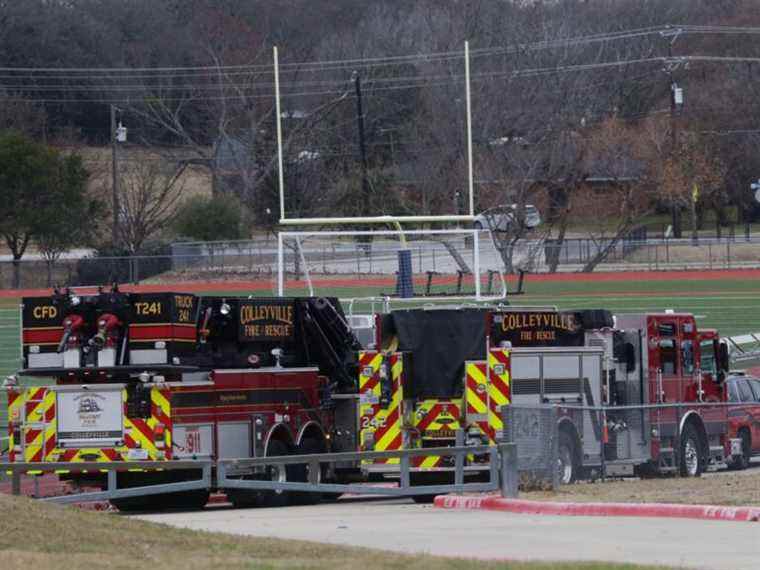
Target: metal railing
[(230, 473), (112, 469), (500, 461)]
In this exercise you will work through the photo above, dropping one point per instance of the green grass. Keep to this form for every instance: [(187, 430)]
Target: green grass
[(10, 353)]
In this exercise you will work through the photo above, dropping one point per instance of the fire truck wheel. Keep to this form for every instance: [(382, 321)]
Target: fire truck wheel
[(309, 446), (429, 479), (692, 459), (567, 458), (276, 473), (246, 498)]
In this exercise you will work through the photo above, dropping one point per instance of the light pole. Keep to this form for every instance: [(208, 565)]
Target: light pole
[(118, 135)]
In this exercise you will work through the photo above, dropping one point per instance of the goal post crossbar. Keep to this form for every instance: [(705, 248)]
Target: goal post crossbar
[(374, 220), (398, 233)]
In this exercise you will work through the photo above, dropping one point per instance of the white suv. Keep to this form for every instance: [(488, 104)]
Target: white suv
[(500, 218)]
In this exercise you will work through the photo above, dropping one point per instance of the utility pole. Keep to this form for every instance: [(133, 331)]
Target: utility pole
[(114, 180), (362, 144), (676, 99), (676, 213)]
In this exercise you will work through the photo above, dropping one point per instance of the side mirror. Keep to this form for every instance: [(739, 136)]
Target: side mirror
[(723, 360), (630, 357)]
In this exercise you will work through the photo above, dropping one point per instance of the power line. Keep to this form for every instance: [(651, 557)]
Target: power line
[(398, 83), (250, 70), (411, 83), (321, 66)]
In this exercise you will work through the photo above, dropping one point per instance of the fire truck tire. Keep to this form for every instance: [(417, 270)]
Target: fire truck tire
[(692, 458), (567, 458), (742, 462), (309, 446), (428, 479), (195, 499), (268, 499)]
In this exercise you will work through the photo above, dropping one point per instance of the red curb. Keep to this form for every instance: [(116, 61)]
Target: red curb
[(703, 512)]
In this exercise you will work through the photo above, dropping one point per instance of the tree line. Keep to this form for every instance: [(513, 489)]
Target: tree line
[(574, 103)]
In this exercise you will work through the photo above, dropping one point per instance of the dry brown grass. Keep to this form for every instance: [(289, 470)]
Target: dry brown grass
[(735, 489), (35, 535)]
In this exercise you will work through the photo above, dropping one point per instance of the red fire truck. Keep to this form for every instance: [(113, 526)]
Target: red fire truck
[(170, 376), (655, 374)]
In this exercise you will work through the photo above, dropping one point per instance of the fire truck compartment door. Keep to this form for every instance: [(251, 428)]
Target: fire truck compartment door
[(234, 440), (90, 417)]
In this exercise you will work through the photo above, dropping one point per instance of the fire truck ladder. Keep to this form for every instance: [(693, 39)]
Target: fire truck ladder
[(744, 348)]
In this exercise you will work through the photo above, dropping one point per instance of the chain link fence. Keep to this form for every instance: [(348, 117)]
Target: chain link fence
[(257, 261)]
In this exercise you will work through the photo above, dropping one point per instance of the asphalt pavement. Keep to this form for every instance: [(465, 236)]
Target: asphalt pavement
[(401, 526)]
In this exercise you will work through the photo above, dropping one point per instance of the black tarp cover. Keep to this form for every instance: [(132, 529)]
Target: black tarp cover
[(440, 340)]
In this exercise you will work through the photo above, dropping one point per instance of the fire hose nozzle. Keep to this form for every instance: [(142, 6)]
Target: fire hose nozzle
[(70, 326), (106, 325)]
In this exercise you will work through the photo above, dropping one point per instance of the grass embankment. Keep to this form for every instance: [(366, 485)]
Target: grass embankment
[(730, 489), (36, 535)]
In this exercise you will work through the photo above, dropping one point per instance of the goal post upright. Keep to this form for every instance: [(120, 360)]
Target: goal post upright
[(471, 235), (468, 99), (280, 266), (278, 112)]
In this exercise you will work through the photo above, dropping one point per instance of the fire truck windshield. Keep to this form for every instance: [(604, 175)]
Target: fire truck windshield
[(707, 360)]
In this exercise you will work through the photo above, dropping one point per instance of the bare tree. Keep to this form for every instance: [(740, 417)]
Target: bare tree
[(631, 192), (151, 190)]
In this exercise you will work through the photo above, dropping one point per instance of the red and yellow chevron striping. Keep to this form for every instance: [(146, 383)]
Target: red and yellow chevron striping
[(436, 420), (476, 395), (499, 388), (487, 390), (379, 424)]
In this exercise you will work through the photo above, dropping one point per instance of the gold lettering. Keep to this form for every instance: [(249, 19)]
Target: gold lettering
[(148, 308), (253, 313), (183, 301), (45, 312)]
